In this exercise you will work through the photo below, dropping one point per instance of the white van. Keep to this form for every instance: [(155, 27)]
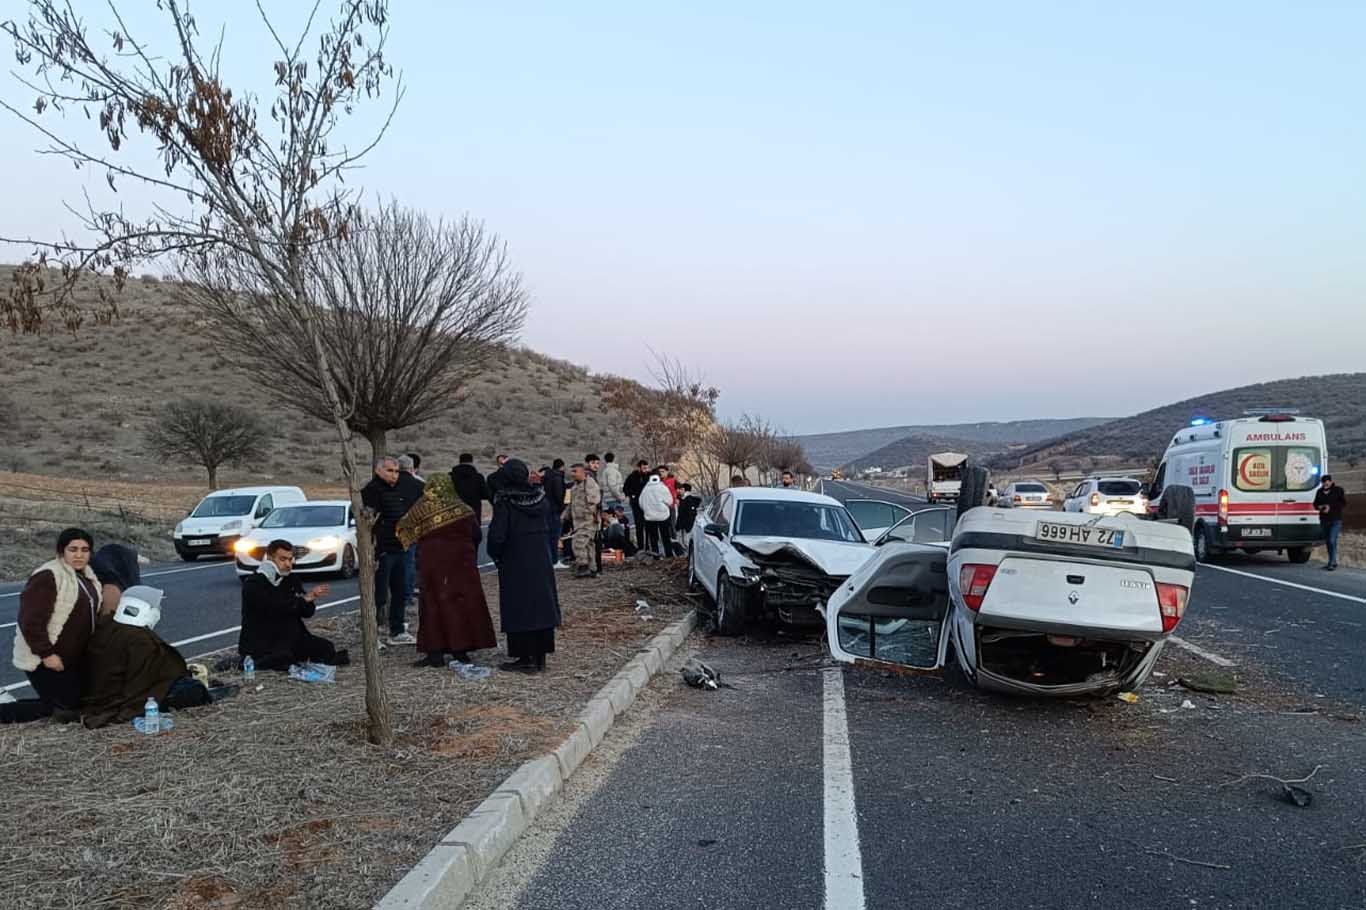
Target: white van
[(225, 515), (1254, 480)]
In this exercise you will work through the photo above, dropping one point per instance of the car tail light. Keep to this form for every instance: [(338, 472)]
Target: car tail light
[(1095, 499), (1171, 601), (1223, 507), (973, 581)]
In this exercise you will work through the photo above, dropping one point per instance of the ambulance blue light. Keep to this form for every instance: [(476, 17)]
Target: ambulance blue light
[(1201, 421)]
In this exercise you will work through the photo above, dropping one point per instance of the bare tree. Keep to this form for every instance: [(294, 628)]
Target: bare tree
[(408, 310), (209, 434), (738, 445), (258, 187), (675, 416)]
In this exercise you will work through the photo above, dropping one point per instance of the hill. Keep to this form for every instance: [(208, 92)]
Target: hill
[(914, 450), (79, 406), (829, 450), (1338, 399)]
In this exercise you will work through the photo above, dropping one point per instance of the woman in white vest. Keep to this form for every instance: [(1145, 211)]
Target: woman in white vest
[(57, 612)]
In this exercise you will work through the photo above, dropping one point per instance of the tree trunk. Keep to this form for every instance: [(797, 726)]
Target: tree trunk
[(379, 722), (213, 476), (379, 440)]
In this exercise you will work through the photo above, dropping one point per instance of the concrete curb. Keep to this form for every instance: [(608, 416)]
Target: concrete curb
[(445, 876)]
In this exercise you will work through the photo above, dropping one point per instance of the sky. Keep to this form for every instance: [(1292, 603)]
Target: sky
[(866, 214)]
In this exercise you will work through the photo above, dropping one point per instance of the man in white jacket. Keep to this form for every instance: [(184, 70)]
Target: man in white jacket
[(656, 502), (611, 482)]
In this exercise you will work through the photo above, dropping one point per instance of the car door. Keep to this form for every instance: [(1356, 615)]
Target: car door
[(874, 516), (708, 544), (893, 610), (928, 526)]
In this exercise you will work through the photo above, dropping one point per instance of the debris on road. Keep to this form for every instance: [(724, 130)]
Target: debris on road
[(700, 675), (1128, 697), (1188, 705), (1190, 862), (1212, 681), (1291, 791), (472, 672), (311, 672)]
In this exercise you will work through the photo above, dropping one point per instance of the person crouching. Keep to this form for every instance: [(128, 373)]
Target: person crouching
[(274, 607), (127, 662)]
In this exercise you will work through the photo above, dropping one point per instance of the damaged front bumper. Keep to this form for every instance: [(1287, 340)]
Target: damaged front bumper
[(785, 587), (1033, 662)]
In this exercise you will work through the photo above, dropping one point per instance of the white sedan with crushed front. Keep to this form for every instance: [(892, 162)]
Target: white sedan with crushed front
[(773, 554), (323, 535), (1033, 603)]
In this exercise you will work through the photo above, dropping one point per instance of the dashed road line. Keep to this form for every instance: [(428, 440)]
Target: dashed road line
[(1289, 584), (843, 859), (1201, 652)]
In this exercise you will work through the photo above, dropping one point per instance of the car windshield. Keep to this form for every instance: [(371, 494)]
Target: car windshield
[(306, 517), (1119, 487), (807, 520), (1030, 488), (222, 506)]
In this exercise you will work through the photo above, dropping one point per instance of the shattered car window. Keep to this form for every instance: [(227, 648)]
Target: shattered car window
[(811, 521)]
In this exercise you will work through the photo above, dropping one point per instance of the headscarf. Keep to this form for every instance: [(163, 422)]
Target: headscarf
[(117, 564), (439, 506), (517, 489)]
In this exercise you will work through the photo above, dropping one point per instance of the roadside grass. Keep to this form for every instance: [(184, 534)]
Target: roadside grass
[(273, 799)]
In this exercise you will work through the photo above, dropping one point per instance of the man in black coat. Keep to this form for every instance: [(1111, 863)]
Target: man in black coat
[(496, 478), (274, 607), (633, 486), (552, 482), (528, 603), (1331, 501), (470, 485), (391, 496)]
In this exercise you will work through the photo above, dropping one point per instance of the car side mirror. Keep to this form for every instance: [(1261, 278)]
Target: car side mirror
[(712, 529)]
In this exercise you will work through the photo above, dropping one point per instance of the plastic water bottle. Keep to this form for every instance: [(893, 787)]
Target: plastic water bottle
[(248, 669), (151, 717)]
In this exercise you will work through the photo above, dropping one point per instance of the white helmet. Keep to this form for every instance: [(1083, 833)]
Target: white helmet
[(140, 605)]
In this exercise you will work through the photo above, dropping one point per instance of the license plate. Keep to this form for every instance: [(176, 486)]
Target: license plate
[(1084, 535), (199, 542), (1120, 502), (1256, 532)]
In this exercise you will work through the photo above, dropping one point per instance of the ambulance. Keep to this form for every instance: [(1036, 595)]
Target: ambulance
[(1254, 480)]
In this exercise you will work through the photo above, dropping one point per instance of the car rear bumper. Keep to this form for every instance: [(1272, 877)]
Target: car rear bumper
[(1268, 536)]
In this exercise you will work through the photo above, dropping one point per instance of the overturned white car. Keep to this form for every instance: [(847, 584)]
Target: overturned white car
[(773, 554), (1036, 603)]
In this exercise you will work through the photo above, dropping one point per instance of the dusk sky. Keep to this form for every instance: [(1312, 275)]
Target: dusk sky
[(874, 214)]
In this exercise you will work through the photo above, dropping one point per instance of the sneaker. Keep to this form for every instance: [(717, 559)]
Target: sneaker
[(562, 565), (402, 639)]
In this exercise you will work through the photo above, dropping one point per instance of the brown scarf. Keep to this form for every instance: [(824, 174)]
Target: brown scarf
[(438, 507)]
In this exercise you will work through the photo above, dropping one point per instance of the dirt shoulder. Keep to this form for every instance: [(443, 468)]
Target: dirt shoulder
[(274, 800)]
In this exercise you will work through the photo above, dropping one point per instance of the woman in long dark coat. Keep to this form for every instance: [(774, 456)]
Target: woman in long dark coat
[(527, 601)]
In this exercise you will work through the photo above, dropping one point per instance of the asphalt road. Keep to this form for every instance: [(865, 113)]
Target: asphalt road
[(806, 786), (200, 613)]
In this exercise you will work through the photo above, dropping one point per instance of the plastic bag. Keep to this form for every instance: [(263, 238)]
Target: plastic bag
[(311, 672)]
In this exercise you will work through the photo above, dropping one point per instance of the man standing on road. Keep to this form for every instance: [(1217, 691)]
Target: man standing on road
[(584, 502), (610, 479), (407, 467), (391, 499), (632, 488), (552, 481), (470, 485), (1331, 501), (496, 477)]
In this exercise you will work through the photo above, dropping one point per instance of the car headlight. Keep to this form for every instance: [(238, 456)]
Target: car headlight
[(179, 529), (330, 542), (232, 525), (245, 546)]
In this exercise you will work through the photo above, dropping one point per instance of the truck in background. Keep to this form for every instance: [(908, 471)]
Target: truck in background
[(945, 477)]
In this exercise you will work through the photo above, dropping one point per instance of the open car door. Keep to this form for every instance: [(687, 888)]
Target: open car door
[(874, 517), (893, 610)]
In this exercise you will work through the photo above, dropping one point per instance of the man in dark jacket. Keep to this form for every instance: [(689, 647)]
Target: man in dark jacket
[(496, 478), (274, 607), (1331, 501), (391, 497), (634, 484), (470, 485), (552, 482)]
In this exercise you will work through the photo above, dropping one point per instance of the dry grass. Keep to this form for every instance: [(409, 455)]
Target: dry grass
[(1352, 549), (79, 406), (273, 799)]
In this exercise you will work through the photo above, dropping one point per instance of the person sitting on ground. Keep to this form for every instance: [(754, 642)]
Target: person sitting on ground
[(127, 663), (118, 569), (274, 607), (615, 533), (57, 611)]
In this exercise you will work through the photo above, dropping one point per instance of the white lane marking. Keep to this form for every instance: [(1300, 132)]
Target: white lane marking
[(1200, 652), (1289, 584), (8, 625), (207, 635), (843, 861)]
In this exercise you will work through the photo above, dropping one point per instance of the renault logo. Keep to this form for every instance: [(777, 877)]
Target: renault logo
[(1073, 597)]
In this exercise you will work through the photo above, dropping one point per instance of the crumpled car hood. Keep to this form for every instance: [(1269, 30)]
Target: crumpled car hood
[(832, 557)]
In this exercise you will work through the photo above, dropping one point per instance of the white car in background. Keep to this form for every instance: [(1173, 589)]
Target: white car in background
[(222, 517), (772, 554), (322, 532), (1025, 494), (1062, 604), (1108, 496)]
